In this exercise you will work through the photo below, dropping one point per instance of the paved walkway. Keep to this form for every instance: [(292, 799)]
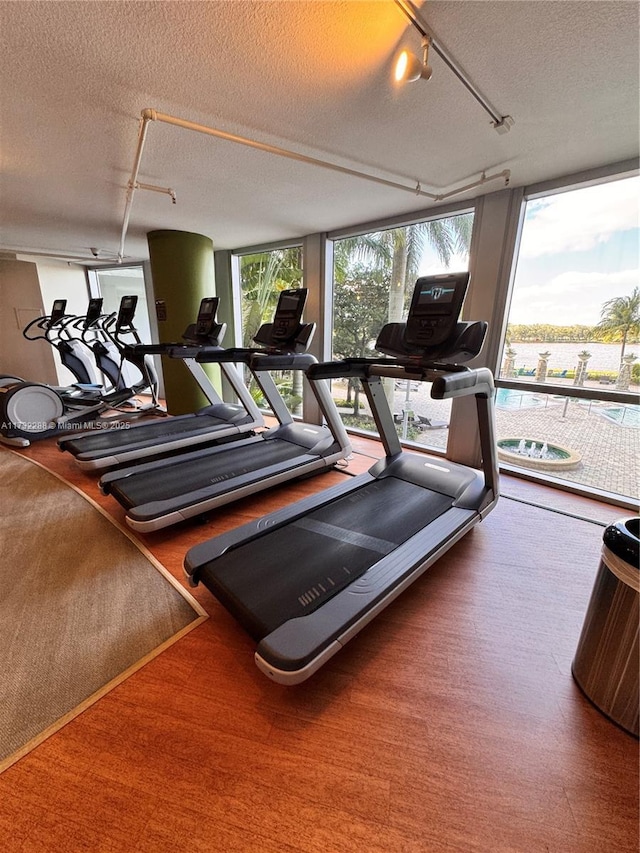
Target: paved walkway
[(610, 451)]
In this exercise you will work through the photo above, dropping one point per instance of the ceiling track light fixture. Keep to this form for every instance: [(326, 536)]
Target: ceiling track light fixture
[(409, 68)]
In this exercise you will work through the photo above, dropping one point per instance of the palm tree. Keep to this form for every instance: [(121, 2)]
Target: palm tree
[(262, 278), (620, 317), (401, 249)]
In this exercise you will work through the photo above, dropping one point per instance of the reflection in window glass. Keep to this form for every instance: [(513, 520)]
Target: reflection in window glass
[(125, 281), (373, 282), (263, 276), (574, 320)]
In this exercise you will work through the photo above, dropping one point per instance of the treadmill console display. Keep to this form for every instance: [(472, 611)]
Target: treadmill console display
[(93, 312), (127, 311), (288, 313), (58, 311), (207, 315), (435, 308)]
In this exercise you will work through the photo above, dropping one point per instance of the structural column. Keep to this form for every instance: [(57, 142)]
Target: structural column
[(183, 274)]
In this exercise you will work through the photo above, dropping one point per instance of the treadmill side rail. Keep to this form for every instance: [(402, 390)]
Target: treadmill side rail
[(203, 552), (155, 515), (299, 647)]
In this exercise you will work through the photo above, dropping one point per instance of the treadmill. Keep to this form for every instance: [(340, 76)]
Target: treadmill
[(304, 580), (167, 491), (219, 421)]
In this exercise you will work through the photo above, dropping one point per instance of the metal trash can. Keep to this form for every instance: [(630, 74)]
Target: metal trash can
[(606, 665)]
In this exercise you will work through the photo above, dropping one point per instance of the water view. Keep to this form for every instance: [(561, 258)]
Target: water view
[(565, 356)]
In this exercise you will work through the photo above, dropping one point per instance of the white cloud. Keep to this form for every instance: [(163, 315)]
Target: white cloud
[(570, 298), (581, 219)]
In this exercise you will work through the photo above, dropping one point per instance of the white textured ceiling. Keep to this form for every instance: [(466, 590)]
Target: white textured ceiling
[(312, 77)]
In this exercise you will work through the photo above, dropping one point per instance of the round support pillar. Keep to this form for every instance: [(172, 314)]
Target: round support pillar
[(182, 271)]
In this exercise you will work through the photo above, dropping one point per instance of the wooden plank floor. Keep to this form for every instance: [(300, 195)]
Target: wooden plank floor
[(451, 723)]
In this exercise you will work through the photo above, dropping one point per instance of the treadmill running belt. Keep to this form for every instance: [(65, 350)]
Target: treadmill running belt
[(311, 559), (208, 468), (112, 438)]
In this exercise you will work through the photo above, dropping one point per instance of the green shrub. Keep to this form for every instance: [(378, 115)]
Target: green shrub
[(598, 375), (366, 422)]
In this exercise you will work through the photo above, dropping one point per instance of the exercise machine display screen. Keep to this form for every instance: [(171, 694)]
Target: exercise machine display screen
[(437, 297), (435, 308), (127, 311), (288, 313), (93, 312), (58, 311), (207, 315)]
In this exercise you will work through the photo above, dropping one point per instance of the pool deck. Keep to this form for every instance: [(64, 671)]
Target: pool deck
[(610, 451)]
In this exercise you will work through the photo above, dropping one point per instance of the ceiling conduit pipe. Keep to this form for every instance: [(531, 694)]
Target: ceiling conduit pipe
[(153, 115), (133, 181)]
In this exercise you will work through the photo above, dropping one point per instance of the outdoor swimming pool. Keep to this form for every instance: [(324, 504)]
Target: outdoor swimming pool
[(625, 415), (508, 398)]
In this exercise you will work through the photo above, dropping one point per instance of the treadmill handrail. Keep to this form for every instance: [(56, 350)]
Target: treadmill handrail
[(190, 344), (361, 367), (478, 380), (448, 380), (187, 350), (282, 361), (215, 355), (212, 355)]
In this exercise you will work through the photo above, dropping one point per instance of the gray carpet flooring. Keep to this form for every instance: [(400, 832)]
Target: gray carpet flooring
[(81, 605)]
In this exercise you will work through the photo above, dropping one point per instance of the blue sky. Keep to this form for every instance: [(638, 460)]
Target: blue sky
[(578, 249)]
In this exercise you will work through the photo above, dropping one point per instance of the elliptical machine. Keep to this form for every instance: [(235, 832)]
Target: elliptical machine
[(116, 372), (30, 411), (52, 328)]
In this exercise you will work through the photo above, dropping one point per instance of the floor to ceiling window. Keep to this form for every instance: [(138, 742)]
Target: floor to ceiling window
[(573, 334), (115, 282), (373, 278), (112, 283), (263, 276)]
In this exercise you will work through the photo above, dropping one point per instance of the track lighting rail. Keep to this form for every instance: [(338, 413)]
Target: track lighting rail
[(501, 123)]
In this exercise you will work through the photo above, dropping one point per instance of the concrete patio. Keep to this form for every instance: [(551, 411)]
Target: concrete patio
[(610, 451)]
